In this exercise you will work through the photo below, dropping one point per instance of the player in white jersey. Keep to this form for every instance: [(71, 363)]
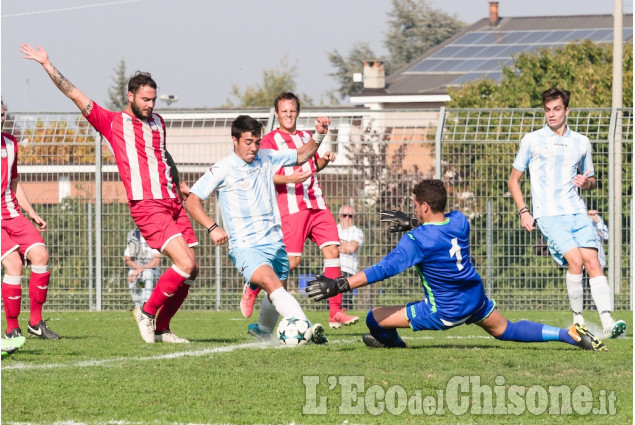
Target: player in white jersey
[(138, 138), (560, 164), (351, 240), (243, 183)]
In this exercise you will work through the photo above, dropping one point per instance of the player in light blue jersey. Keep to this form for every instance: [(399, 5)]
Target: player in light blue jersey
[(454, 292), (243, 183), (560, 165)]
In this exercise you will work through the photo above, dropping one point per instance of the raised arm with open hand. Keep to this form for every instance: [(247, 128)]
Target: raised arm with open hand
[(40, 56)]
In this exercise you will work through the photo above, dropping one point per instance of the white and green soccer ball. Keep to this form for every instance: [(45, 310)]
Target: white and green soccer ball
[(293, 332)]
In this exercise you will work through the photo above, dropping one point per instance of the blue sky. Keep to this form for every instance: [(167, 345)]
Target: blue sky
[(197, 49)]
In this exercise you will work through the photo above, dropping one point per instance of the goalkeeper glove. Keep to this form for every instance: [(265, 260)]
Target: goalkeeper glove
[(323, 287), (399, 221)]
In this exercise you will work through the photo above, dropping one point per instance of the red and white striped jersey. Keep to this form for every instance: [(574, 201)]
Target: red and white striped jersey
[(139, 148), (9, 169), (294, 197)]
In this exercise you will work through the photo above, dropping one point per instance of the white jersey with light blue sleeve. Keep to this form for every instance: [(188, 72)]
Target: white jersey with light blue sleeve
[(553, 161), (247, 196)]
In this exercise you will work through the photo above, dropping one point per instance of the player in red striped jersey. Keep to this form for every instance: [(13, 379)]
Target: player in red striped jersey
[(21, 242), (138, 139), (303, 210)]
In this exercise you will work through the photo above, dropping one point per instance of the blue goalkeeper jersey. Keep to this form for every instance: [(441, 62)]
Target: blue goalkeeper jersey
[(440, 252)]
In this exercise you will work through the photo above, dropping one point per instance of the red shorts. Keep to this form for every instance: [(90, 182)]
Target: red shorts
[(161, 220), (19, 233), (318, 225)]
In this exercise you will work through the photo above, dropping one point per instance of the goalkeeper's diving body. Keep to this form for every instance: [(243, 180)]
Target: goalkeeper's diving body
[(454, 292)]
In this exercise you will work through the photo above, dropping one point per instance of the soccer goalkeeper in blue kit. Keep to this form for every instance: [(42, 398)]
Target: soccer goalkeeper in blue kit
[(454, 293)]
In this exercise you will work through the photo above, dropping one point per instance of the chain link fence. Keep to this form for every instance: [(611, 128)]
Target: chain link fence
[(381, 155)]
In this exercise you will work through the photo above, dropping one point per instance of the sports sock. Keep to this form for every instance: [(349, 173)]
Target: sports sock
[(268, 316), (602, 298), (12, 297), (167, 286), (254, 287), (333, 270), (575, 291), (171, 306), (526, 331), (388, 337), (285, 304), (38, 288)]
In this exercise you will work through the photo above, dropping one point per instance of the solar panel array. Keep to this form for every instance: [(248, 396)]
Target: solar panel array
[(484, 53)]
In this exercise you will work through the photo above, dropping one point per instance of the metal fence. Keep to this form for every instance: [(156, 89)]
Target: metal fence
[(380, 156)]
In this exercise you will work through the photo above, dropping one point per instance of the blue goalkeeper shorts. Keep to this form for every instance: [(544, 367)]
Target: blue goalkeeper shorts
[(422, 318)]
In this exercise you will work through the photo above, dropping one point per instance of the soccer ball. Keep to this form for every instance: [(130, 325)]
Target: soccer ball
[(294, 332)]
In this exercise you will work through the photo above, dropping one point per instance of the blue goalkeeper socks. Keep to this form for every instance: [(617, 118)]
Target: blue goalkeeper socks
[(388, 337), (526, 331)]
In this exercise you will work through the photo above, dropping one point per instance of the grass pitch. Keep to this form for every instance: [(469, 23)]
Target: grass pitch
[(101, 372)]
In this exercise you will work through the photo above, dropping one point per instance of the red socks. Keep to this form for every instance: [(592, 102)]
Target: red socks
[(333, 271), (171, 306), (12, 297), (166, 288), (38, 288)]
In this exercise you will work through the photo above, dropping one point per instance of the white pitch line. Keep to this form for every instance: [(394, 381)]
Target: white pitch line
[(259, 345)]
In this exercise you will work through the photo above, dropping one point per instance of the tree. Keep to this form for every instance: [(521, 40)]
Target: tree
[(274, 81), (346, 67), (584, 69), (414, 27), (118, 91)]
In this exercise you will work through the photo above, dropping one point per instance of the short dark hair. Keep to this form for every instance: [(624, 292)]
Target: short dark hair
[(245, 123), (139, 80), (433, 193), (555, 93), (286, 96)]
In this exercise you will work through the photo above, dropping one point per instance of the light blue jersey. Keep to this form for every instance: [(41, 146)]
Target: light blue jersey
[(553, 162), (247, 196)]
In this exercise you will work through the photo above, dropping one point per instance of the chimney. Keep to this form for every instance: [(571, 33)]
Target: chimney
[(493, 13), (374, 75)]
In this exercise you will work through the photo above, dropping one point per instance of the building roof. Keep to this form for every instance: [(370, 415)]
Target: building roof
[(481, 49)]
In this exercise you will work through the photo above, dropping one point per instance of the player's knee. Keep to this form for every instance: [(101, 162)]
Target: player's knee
[(271, 285), (294, 262), (194, 271), (593, 268), (12, 264), (331, 251), (371, 322), (575, 264), (189, 266), (38, 255)]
